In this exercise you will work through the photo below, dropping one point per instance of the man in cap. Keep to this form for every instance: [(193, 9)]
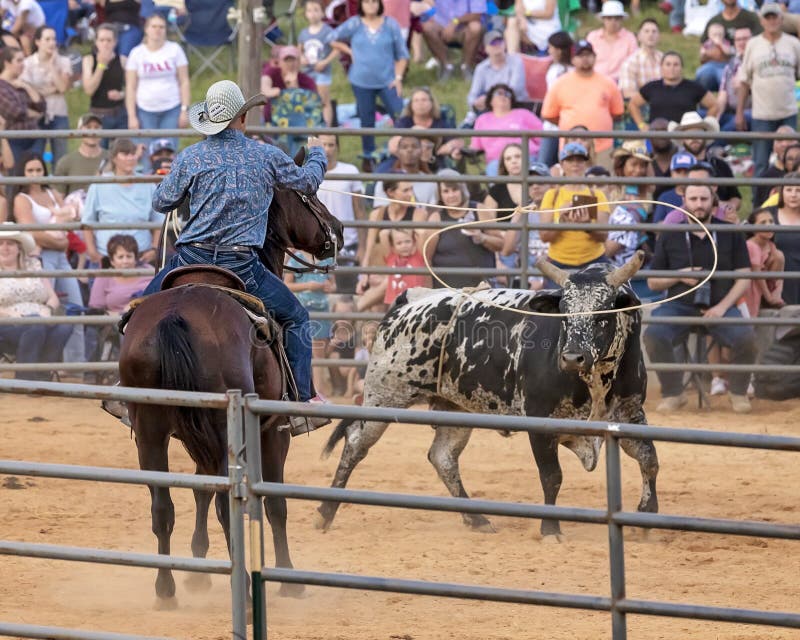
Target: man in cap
[(159, 151), (229, 180), (86, 159), (612, 42), (770, 68), (499, 67), (679, 167)]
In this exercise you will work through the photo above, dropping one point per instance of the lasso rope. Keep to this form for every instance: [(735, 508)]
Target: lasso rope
[(533, 209)]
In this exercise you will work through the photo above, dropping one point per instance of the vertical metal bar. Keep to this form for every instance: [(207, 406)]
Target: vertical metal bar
[(523, 239), (255, 513), (236, 508), (619, 629)]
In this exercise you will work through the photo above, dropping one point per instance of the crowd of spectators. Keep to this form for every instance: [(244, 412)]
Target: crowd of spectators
[(526, 69)]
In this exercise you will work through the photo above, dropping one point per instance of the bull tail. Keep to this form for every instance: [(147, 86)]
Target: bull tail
[(179, 368), (338, 433)]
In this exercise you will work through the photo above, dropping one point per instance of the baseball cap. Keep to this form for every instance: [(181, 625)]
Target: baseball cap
[(86, 118), (573, 149), (289, 52), (682, 160), (582, 46), (539, 169), (770, 8), (162, 144), (491, 37)]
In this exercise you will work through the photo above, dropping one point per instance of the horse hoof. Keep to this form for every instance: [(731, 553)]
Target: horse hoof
[(198, 583), (166, 604), (553, 538), (291, 590), (321, 523), (484, 527)]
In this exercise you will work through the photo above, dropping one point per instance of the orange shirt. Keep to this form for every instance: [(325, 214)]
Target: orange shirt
[(592, 101)]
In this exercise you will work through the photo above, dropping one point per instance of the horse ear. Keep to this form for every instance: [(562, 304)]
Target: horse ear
[(546, 301), (300, 156)]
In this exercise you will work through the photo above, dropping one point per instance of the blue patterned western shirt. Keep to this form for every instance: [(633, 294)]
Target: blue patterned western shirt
[(229, 180)]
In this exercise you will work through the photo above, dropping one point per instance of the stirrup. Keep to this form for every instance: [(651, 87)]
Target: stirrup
[(118, 409), (299, 425)]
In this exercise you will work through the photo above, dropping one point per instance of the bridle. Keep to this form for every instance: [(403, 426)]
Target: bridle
[(329, 248)]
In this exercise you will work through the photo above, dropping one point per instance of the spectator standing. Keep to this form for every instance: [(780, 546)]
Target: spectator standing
[(103, 77), (86, 159), (644, 64), (533, 22), (688, 252), (23, 297), (715, 52), (123, 203), (770, 68), (764, 256), (124, 14), (21, 106), (788, 242), (559, 47), (287, 75), (729, 84), (776, 169), (318, 54), (499, 67), (380, 58), (157, 93), (503, 115), (51, 75), (612, 42), (455, 21), (26, 17), (585, 97), (671, 96), (409, 162)]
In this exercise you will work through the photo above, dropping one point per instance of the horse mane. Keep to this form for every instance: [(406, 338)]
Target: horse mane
[(277, 239)]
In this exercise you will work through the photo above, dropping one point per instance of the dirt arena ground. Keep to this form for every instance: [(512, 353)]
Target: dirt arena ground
[(673, 566)]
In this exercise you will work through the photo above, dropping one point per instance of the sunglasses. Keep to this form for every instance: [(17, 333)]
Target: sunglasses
[(502, 92)]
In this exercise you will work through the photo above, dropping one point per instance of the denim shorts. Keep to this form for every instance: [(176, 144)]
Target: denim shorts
[(322, 77)]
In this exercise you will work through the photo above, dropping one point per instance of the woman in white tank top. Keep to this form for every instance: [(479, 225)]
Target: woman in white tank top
[(534, 21)]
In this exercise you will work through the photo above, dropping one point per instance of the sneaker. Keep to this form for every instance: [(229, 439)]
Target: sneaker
[(298, 425), (446, 73), (666, 6), (719, 386), (671, 403), (740, 404), (677, 28), (432, 64)]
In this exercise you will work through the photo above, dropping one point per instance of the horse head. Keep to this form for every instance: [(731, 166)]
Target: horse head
[(301, 222)]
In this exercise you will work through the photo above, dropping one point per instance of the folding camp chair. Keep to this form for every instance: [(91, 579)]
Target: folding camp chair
[(56, 16), (207, 35), (296, 108)]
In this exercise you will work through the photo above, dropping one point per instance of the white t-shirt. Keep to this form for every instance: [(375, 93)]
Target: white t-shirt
[(35, 14), (334, 195), (158, 88)]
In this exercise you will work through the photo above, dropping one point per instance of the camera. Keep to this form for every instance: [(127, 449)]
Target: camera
[(702, 296)]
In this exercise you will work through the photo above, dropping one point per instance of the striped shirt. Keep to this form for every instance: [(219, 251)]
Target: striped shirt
[(639, 69)]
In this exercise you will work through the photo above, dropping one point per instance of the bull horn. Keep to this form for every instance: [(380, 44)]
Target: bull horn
[(551, 271), (621, 275)]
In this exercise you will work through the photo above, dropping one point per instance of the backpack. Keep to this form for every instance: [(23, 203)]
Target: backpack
[(779, 385)]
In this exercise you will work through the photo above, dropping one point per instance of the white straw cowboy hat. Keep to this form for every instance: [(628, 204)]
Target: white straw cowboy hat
[(692, 120), (224, 103), (25, 240), (613, 9)]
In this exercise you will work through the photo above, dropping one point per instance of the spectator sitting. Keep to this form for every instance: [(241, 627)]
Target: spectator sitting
[(355, 380), (776, 169), (721, 211), (499, 67), (679, 167), (104, 81), (644, 64), (663, 151), (533, 22), (573, 249), (24, 297), (21, 106), (713, 60), (404, 254), (503, 115), (788, 242), (585, 97), (423, 112), (559, 48), (409, 162), (454, 21), (86, 160), (612, 43), (683, 254), (729, 84), (286, 75), (317, 54), (114, 294), (791, 163), (587, 143), (764, 256), (159, 150), (672, 95), (123, 203), (26, 17)]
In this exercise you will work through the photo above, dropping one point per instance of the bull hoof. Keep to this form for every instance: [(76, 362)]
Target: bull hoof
[(553, 538), (291, 590), (198, 583), (166, 604), (321, 523)]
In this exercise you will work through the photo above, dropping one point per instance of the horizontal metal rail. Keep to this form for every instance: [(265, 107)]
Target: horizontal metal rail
[(716, 614), (15, 630), (122, 558)]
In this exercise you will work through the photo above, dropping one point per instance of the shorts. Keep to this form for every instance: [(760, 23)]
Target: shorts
[(322, 77)]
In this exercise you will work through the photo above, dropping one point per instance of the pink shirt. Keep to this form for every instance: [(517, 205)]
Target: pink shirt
[(515, 120), (611, 55), (114, 296)]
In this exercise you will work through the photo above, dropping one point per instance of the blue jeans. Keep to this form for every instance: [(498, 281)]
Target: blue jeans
[(127, 38), (548, 151), (709, 74), (366, 99), (58, 146), (68, 290), (20, 146), (118, 119), (661, 340), (763, 148), (35, 343), (277, 298), (159, 120)]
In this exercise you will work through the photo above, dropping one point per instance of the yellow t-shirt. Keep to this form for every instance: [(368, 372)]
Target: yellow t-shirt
[(573, 247)]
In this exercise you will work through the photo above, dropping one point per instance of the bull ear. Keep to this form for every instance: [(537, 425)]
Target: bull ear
[(300, 156), (621, 275), (546, 301), (626, 297)]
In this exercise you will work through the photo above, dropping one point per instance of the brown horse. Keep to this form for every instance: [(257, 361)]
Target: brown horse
[(200, 339)]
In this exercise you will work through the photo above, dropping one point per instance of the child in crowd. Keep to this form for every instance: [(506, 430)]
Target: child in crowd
[(317, 54), (716, 46), (404, 255), (764, 256), (355, 381)]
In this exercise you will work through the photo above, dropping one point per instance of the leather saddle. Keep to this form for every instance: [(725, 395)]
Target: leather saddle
[(214, 277)]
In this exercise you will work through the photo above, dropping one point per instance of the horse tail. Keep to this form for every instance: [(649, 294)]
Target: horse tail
[(179, 369), (338, 434)]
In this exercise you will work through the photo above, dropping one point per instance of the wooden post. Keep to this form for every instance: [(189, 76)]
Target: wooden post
[(251, 34)]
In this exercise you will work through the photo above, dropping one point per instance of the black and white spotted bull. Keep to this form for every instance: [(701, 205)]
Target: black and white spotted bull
[(458, 353)]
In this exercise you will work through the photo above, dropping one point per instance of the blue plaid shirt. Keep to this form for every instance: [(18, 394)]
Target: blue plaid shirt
[(229, 180)]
